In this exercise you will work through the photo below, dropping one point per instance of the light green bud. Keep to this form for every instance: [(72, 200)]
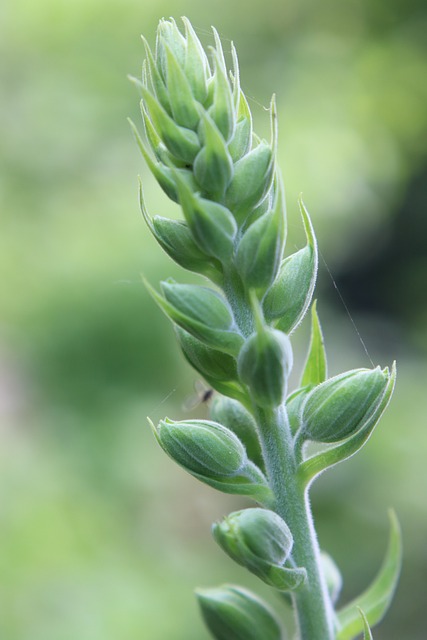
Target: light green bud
[(168, 34), (200, 311), (212, 224), (156, 80), (165, 176), (184, 107), (260, 250), (176, 239), (264, 364), (196, 65), (289, 297), (339, 407), (202, 447), (254, 538), (211, 363), (253, 176), (222, 108), (213, 166), (234, 416), (233, 613), (183, 143)]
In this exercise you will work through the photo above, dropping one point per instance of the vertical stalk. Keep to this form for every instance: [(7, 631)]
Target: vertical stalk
[(312, 603), (313, 607)]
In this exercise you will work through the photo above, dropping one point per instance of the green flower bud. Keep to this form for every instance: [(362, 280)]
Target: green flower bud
[(191, 311), (260, 250), (222, 108), (253, 176), (176, 239), (213, 166), (202, 447), (339, 407), (233, 613), (212, 224), (261, 541), (183, 143), (254, 538), (235, 417), (184, 108), (196, 65), (168, 34), (264, 364), (210, 363), (290, 295), (156, 80)]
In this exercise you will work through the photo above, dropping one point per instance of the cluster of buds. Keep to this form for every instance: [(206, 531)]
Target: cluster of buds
[(200, 146)]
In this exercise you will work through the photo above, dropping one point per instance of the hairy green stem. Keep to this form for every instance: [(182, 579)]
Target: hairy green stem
[(238, 300), (312, 603), (313, 606)]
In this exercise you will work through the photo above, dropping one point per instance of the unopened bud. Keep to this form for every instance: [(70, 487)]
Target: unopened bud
[(202, 447), (264, 364), (255, 538), (233, 613), (339, 407)]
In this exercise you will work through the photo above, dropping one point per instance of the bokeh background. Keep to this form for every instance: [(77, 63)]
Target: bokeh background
[(101, 536)]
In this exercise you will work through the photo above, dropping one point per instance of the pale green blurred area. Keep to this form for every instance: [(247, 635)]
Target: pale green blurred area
[(101, 536)]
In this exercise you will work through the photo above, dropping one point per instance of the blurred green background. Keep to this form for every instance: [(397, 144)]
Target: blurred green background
[(101, 536)]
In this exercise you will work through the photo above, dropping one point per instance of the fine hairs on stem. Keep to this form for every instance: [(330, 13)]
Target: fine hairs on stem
[(234, 329)]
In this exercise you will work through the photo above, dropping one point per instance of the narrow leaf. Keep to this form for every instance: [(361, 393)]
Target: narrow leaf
[(315, 370), (375, 601)]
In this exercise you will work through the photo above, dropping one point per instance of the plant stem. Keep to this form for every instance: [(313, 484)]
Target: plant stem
[(312, 603)]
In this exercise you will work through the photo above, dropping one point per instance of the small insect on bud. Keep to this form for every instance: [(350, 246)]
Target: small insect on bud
[(202, 447), (233, 613), (339, 407), (264, 364)]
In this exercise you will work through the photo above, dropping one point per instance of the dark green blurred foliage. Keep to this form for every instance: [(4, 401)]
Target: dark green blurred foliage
[(93, 535)]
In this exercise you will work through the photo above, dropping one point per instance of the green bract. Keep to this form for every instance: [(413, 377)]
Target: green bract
[(199, 144)]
